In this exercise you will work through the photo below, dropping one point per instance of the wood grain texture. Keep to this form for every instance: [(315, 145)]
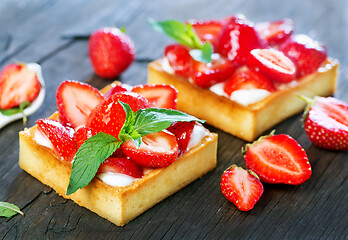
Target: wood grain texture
[(33, 31)]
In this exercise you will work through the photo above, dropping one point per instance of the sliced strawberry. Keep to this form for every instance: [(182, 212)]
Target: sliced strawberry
[(116, 88), (182, 132), (278, 159), (242, 188), (207, 30), (207, 74), (61, 137), (109, 116), (237, 38), (159, 96), (326, 123), (248, 79), (157, 150), (273, 64), (75, 101), (276, 32), (121, 165), (17, 84), (306, 53), (82, 134), (179, 58)]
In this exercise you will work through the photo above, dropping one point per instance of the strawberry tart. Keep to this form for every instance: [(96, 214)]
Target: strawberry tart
[(118, 151), (241, 77)]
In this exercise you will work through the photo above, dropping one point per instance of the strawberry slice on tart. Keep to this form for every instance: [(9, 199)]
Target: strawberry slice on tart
[(121, 165), (179, 59), (182, 132), (207, 30)]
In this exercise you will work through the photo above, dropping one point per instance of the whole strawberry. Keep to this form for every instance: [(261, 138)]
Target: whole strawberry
[(326, 123), (110, 51)]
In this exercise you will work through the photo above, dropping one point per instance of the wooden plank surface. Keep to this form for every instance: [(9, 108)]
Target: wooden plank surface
[(33, 31)]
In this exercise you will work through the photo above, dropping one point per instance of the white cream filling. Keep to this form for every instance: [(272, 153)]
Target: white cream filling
[(249, 96), (166, 65), (116, 179), (219, 89), (197, 136), (41, 139)]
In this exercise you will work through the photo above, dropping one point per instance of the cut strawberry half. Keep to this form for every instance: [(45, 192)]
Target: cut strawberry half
[(276, 32), (121, 165), (179, 58), (109, 116), (273, 64), (306, 53), (326, 123), (182, 132), (75, 101), (242, 188), (248, 80), (17, 84), (278, 159), (207, 30), (82, 134), (207, 74), (116, 88), (61, 137), (157, 150)]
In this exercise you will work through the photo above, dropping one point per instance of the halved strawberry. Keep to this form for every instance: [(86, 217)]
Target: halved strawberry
[(306, 53), (242, 188), (61, 137), (109, 116), (17, 84), (75, 101), (237, 38), (276, 32), (207, 30), (273, 64), (159, 96), (207, 74), (121, 165), (157, 150), (116, 88), (278, 159), (248, 79), (182, 132), (326, 123), (179, 58), (82, 134)]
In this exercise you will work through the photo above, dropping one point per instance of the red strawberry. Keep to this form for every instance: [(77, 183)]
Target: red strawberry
[(242, 188), (75, 101), (276, 32), (326, 123), (306, 53), (237, 38), (157, 150), (207, 30), (121, 165), (273, 64), (179, 58), (207, 74), (109, 116), (248, 80), (110, 52), (182, 132), (61, 137), (116, 88), (17, 84), (82, 134), (159, 96), (278, 159)]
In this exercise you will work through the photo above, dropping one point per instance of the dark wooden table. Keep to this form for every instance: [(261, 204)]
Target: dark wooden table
[(39, 31)]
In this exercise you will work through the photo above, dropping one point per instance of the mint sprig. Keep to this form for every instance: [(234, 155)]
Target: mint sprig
[(184, 34), (95, 150), (15, 110), (9, 209)]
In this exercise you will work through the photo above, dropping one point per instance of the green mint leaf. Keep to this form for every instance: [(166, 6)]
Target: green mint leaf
[(152, 120), (15, 110), (89, 157), (128, 124), (9, 209), (204, 54)]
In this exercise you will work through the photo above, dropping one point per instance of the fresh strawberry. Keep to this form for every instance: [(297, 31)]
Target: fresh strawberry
[(61, 137), (159, 96), (116, 88), (157, 150), (182, 132), (17, 84), (207, 74), (306, 53), (248, 79), (207, 30), (278, 159), (242, 188), (82, 134), (121, 165), (179, 58), (326, 123), (75, 101), (276, 32), (110, 51), (237, 38), (109, 116), (273, 64)]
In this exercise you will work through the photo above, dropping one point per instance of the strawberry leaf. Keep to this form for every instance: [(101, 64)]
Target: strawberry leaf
[(204, 54), (9, 209)]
